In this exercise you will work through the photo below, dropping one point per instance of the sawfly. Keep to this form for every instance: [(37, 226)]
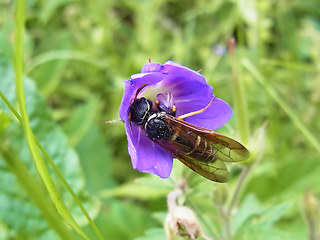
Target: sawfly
[(201, 149)]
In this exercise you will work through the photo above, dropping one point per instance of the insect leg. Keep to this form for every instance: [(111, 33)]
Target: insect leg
[(129, 119)]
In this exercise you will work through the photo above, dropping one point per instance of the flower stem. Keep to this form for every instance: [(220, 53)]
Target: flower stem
[(31, 142), (36, 194), (242, 125), (311, 228), (239, 99), (242, 117), (56, 170), (226, 219), (235, 195)]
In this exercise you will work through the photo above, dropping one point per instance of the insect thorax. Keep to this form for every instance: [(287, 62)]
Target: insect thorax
[(156, 128)]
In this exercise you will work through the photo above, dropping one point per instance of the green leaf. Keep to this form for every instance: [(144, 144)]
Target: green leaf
[(249, 208), (272, 215), (81, 120), (146, 188), (254, 221), (53, 140), (124, 220), (96, 160), (4, 121), (153, 234)]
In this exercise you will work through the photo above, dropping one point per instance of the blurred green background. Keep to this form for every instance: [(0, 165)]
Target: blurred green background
[(76, 55)]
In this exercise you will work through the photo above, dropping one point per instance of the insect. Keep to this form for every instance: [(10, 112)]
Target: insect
[(201, 149)]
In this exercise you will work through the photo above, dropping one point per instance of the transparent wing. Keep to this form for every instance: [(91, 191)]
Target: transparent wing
[(201, 149), (225, 148)]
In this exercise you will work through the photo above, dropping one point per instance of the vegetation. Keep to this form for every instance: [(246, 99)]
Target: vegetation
[(62, 64)]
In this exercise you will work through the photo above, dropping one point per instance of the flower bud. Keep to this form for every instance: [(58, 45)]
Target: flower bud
[(183, 221)]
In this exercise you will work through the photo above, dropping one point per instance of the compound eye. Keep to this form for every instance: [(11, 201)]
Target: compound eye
[(139, 110)]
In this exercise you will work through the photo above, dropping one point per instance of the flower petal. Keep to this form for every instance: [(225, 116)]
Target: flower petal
[(191, 93), (175, 84), (212, 118), (147, 156), (151, 67), (195, 96), (177, 71)]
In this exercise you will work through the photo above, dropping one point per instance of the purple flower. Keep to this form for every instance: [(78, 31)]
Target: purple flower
[(170, 83)]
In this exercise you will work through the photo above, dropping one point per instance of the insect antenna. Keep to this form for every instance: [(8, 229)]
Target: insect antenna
[(197, 112), (113, 121), (139, 90)]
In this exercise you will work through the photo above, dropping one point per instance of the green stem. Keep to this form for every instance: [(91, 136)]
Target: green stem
[(36, 194), (239, 99), (242, 124), (56, 170), (31, 142), (236, 193), (294, 118)]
